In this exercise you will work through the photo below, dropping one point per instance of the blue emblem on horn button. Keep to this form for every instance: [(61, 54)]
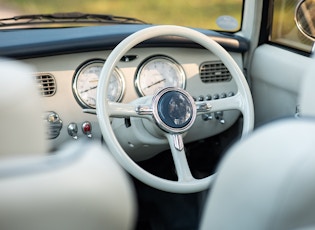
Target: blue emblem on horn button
[(174, 110)]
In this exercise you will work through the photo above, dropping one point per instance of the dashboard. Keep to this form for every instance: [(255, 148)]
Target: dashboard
[(67, 67), (74, 78)]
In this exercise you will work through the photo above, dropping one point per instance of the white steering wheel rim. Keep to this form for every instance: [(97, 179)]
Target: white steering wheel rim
[(245, 103)]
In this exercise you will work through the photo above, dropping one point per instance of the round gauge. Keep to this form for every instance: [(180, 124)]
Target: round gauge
[(86, 80), (157, 73)]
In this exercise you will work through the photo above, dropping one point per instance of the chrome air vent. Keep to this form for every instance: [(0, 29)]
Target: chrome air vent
[(46, 84), (214, 71)]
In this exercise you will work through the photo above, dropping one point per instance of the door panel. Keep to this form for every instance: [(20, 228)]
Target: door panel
[(276, 77)]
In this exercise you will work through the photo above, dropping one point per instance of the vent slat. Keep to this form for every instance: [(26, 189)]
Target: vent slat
[(214, 71), (46, 84)]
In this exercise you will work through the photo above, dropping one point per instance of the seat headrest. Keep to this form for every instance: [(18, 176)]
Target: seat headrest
[(21, 120)]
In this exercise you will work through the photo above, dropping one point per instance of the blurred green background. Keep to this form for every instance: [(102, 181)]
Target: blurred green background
[(197, 13)]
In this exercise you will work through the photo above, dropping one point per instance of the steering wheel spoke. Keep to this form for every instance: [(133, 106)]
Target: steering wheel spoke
[(122, 110), (178, 152)]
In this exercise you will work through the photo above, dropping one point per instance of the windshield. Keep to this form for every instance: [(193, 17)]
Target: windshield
[(220, 15)]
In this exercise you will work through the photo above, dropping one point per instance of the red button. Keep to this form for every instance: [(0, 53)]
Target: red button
[(86, 127)]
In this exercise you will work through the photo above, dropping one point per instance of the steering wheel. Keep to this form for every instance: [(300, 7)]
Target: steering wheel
[(172, 109)]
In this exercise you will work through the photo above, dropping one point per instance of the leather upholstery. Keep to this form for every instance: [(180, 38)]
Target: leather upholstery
[(80, 186), (22, 127), (266, 181)]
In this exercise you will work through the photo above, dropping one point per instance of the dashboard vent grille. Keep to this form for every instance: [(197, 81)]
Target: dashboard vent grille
[(214, 71), (46, 84)]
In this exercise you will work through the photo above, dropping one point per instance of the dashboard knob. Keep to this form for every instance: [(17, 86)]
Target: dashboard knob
[(208, 97), (87, 129), (206, 116), (201, 98), (231, 94), (215, 97), (73, 130), (219, 116), (54, 124)]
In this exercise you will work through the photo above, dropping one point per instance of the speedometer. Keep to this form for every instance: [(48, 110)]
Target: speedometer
[(86, 80), (159, 72)]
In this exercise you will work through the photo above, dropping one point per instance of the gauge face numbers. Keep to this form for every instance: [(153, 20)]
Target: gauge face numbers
[(157, 73), (86, 81)]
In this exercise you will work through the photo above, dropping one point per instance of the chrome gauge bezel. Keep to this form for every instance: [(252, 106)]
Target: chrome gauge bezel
[(99, 64), (180, 74)]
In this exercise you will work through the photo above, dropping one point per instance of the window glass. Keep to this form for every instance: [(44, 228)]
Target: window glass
[(284, 31), (221, 15)]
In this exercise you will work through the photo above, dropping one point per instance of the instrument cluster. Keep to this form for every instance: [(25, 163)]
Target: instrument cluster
[(153, 74)]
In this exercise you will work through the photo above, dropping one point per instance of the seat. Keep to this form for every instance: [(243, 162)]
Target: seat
[(80, 186), (268, 180)]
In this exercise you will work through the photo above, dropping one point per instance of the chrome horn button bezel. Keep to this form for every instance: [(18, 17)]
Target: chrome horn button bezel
[(174, 110)]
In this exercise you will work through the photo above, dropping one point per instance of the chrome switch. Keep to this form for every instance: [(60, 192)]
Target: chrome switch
[(73, 130)]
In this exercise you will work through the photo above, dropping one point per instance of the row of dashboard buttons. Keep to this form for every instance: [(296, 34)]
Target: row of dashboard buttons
[(54, 124), (216, 96), (217, 115), (86, 128)]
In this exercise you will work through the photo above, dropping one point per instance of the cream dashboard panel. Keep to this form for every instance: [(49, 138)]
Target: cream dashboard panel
[(69, 111)]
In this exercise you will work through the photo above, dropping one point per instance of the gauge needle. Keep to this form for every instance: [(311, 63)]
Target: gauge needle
[(155, 83), (84, 91)]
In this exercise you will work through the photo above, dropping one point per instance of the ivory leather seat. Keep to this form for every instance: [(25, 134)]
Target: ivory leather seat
[(268, 180), (80, 186)]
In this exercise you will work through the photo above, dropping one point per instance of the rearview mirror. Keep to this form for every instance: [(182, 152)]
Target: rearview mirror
[(305, 18)]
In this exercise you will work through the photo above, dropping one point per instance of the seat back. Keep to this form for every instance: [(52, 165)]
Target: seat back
[(80, 186), (266, 181)]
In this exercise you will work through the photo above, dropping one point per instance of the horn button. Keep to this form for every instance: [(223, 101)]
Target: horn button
[(174, 110)]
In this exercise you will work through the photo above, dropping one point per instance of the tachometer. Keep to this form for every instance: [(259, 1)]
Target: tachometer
[(159, 72), (86, 80)]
